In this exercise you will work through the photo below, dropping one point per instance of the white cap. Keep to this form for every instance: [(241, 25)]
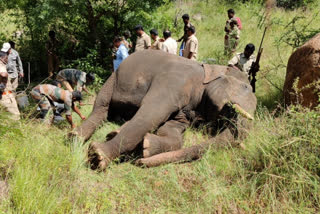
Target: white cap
[(6, 47)]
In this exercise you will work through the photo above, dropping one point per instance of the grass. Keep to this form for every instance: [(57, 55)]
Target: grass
[(277, 172)]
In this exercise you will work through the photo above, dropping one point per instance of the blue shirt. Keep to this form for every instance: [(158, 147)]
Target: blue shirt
[(122, 54)]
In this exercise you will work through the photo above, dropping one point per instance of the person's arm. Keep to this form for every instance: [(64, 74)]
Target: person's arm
[(76, 109), (233, 62), (20, 67), (190, 55), (148, 42)]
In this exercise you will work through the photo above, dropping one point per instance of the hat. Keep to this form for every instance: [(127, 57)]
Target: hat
[(6, 47)]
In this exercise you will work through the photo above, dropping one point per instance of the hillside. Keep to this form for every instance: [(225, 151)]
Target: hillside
[(277, 171)]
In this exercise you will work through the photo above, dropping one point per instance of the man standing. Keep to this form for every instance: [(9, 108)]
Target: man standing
[(53, 60), (126, 40), (143, 40), (243, 61), (14, 67), (45, 95), (73, 79), (169, 45), (184, 38), (191, 48), (7, 97), (121, 53), (228, 30), (157, 44)]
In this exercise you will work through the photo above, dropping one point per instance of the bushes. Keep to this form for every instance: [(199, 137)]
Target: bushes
[(292, 4)]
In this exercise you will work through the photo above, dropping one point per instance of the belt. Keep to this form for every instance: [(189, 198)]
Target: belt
[(7, 92)]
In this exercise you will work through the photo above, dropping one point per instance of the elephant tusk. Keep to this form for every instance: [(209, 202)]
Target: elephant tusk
[(243, 112)]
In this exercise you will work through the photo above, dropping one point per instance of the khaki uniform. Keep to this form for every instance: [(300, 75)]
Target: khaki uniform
[(185, 29), (241, 62), (8, 97), (143, 42), (157, 44), (191, 47), (53, 59)]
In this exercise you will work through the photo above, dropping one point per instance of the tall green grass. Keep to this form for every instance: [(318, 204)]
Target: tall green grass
[(277, 171)]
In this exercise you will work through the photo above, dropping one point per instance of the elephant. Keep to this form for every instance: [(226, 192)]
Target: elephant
[(159, 95)]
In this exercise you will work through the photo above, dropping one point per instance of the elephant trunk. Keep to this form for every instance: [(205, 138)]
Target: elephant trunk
[(100, 110)]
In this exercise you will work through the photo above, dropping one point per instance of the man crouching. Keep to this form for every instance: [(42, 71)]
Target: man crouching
[(47, 94)]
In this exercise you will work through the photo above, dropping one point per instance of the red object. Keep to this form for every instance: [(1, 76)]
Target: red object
[(239, 23), (8, 92)]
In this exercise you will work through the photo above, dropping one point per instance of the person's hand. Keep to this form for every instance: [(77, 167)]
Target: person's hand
[(21, 75), (83, 117), (179, 40)]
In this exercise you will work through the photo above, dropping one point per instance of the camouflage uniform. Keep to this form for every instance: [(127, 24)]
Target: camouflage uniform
[(71, 78), (45, 95), (8, 97), (14, 68)]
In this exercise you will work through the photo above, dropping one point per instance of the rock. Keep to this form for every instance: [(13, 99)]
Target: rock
[(304, 64)]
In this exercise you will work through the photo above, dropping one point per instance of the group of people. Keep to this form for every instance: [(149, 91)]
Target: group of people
[(188, 48), (47, 96), (53, 96)]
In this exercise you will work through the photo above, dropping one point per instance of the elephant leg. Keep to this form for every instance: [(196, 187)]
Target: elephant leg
[(100, 110), (156, 108), (169, 137)]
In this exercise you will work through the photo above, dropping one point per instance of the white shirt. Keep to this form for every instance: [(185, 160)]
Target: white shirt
[(170, 45)]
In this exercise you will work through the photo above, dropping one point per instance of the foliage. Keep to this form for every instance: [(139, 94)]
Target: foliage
[(292, 4)]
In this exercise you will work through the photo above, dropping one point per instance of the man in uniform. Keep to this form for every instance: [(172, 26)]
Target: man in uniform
[(143, 40), (14, 67), (45, 95), (184, 38), (7, 97), (169, 45), (157, 43), (191, 48), (53, 60), (243, 61), (73, 79), (228, 30)]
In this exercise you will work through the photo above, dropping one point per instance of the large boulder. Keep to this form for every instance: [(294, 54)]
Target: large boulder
[(304, 64)]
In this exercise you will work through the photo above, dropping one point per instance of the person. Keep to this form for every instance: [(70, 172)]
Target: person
[(7, 97), (157, 42), (143, 40), (14, 67), (121, 53), (53, 59), (73, 79), (243, 61), (45, 95), (184, 38), (191, 47), (169, 45), (227, 29), (233, 37), (126, 40)]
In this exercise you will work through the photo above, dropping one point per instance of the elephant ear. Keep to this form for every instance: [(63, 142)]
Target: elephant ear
[(213, 72)]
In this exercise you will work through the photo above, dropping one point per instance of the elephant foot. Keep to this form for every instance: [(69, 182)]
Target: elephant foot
[(151, 145), (97, 158)]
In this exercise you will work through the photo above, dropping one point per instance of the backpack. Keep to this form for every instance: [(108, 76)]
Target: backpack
[(239, 23)]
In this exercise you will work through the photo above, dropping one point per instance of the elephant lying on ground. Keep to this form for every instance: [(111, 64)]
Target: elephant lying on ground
[(159, 95)]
